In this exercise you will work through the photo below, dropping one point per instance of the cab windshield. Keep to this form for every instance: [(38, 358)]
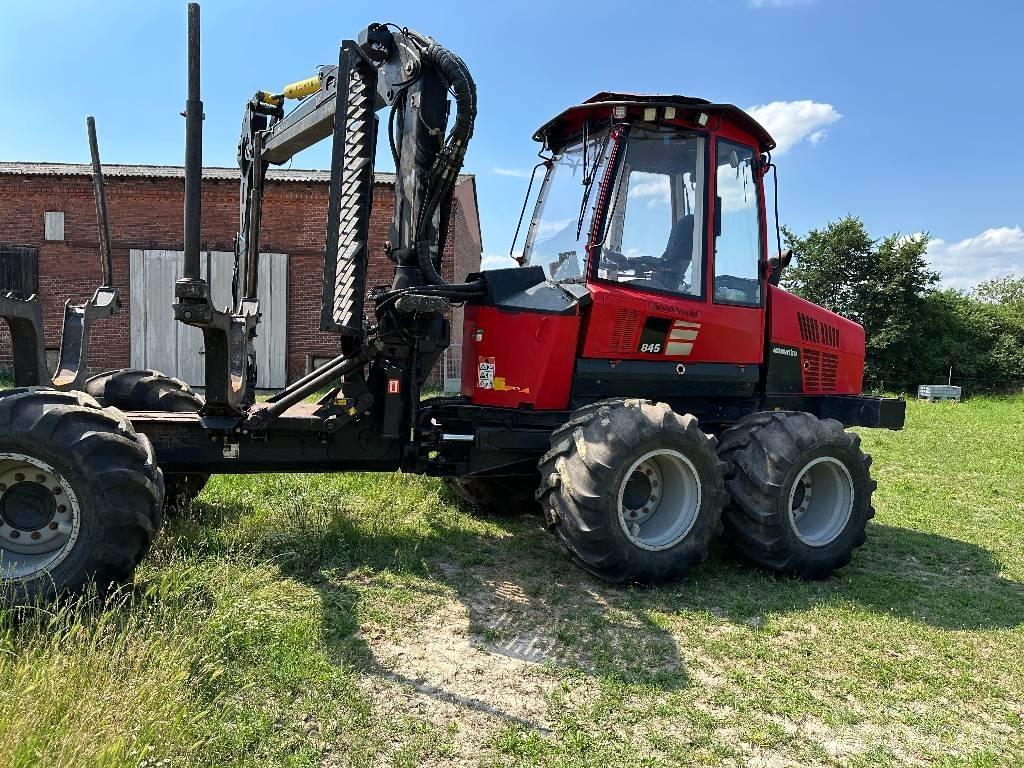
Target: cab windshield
[(655, 211), (564, 213), (653, 237)]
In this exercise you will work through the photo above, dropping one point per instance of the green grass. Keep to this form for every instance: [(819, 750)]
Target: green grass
[(359, 620)]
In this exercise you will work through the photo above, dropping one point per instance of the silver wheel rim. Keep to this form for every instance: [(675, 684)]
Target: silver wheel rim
[(39, 517), (659, 500), (821, 501)]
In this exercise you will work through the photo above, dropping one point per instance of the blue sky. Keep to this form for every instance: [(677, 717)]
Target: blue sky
[(904, 113)]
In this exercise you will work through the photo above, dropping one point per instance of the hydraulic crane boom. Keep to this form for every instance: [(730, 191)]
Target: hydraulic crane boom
[(386, 66)]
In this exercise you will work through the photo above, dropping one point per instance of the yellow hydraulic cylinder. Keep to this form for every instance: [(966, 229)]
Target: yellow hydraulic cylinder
[(302, 88), (297, 90)]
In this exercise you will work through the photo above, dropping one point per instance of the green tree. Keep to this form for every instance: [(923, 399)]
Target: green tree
[(1003, 290), (982, 342), (882, 284)]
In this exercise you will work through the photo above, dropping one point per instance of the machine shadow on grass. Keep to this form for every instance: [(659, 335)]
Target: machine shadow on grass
[(522, 598), (921, 577), (502, 588)]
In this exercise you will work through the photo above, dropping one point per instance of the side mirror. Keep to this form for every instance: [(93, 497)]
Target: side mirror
[(777, 263)]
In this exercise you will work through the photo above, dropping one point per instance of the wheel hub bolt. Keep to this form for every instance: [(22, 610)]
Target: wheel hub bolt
[(15, 534), (3, 487), (36, 534), (62, 509), (56, 490), (19, 477), (40, 478), (53, 526)]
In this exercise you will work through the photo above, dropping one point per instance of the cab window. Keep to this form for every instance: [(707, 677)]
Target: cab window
[(652, 238), (737, 226)]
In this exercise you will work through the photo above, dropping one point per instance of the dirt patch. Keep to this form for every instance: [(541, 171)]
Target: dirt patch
[(469, 678), (484, 660)]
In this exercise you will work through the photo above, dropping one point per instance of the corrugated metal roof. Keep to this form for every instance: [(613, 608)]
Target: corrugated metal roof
[(175, 172), (165, 172)]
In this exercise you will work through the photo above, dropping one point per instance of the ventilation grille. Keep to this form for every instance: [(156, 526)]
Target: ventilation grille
[(829, 368), (820, 370), (624, 332), (829, 335), (817, 332)]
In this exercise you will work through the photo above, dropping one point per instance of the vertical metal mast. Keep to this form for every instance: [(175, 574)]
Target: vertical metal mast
[(193, 150)]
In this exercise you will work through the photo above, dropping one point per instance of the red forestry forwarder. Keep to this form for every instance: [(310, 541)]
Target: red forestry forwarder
[(645, 319)]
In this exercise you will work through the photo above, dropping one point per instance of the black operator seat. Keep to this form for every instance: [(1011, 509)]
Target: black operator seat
[(679, 251)]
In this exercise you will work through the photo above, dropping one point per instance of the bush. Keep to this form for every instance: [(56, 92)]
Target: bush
[(915, 332)]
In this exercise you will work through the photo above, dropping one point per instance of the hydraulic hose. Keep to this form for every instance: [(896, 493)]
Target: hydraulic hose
[(445, 173)]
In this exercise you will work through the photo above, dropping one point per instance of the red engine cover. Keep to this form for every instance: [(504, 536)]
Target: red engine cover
[(512, 358), (831, 348)]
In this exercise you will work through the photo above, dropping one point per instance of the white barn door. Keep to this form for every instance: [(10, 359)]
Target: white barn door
[(161, 343)]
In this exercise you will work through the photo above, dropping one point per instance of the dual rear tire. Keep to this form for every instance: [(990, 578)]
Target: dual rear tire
[(801, 492), (636, 492), (138, 389), (80, 494), (633, 490)]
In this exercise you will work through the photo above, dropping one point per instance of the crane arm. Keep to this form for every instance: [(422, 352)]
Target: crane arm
[(386, 67)]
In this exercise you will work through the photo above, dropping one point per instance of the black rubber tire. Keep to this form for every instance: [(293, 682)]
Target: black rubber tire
[(587, 464), (138, 389), (498, 495), (766, 453), (113, 472)]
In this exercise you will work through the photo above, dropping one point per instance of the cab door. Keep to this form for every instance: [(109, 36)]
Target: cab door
[(700, 328), (671, 282), (734, 317)]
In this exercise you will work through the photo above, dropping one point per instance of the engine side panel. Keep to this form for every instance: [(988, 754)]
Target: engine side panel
[(629, 324), (812, 350), (518, 358)]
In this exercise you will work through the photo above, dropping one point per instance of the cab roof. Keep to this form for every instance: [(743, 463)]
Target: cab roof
[(555, 131)]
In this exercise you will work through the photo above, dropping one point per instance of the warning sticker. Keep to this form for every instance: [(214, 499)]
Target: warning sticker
[(485, 373)]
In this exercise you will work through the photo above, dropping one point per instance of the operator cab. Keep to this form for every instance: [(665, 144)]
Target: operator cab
[(647, 173), (650, 219)]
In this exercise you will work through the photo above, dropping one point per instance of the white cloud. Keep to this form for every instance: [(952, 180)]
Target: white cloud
[(518, 173), (993, 253), (778, 3), (652, 186), (790, 122), (548, 228), (497, 261)]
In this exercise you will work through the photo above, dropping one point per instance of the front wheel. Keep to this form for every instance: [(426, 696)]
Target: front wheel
[(633, 490), (801, 492), (502, 496)]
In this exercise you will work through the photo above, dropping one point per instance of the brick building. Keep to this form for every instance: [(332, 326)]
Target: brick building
[(50, 206)]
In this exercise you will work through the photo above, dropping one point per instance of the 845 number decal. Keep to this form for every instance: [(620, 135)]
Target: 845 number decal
[(650, 348)]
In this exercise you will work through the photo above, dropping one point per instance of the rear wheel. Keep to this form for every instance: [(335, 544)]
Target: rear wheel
[(137, 389), (80, 494), (801, 492), (497, 495), (633, 490)]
